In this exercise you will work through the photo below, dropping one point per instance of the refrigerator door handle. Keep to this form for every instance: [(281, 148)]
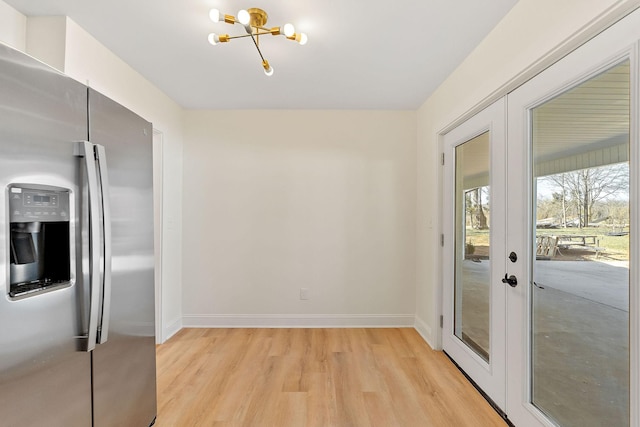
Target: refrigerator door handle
[(85, 150), (103, 328)]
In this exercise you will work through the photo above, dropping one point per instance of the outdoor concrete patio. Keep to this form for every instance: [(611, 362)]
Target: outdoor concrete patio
[(580, 360)]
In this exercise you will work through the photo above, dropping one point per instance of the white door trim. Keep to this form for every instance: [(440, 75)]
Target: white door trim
[(158, 174), (634, 244)]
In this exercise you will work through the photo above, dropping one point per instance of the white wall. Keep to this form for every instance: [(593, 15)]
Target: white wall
[(46, 39), (531, 36), (13, 27), (279, 200), (61, 43)]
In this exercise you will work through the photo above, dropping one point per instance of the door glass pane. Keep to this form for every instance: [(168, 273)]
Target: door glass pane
[(473, 217), (580, 285)]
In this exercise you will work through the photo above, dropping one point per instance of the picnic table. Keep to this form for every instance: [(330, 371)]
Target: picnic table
[(568, 240), (550, 246)]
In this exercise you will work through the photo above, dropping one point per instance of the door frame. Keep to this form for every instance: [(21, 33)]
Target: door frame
[(158, 174), (597, 25)]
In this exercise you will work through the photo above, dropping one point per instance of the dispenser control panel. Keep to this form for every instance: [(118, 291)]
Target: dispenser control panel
[(40, 239), (38, 199), (38, 204)]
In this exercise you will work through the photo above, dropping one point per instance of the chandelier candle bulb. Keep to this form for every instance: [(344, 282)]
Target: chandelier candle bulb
[(302, 38), (243, 17), (214, 14), (214, 39), (267, 68), (289, 30)]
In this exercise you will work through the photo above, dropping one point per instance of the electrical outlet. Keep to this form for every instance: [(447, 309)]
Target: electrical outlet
[(304, 293)]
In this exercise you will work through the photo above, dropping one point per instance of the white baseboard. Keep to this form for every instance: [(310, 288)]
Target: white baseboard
[(297, 320), (424, 330), (171, 330)]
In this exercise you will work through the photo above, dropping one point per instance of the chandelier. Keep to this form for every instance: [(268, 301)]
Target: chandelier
[(254, 21)]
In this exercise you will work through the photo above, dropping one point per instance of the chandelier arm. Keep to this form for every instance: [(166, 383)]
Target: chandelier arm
[(257, 47), (268, 30), (265, 31), (239, 37), (246, 35)]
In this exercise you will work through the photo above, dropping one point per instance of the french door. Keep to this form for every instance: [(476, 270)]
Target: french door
[(473, 310), (541, 265)]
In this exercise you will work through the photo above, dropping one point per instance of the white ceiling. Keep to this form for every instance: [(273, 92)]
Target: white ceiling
[(361, 54)]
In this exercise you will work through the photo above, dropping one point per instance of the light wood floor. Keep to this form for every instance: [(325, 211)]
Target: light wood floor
[(312, 377)]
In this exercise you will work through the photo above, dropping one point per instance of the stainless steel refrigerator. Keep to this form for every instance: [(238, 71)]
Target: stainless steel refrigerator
[(77, 344)]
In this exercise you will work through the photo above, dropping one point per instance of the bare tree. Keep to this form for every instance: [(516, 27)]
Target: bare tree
[(475, 210), (585, 187), (563, 199), (481, 218)]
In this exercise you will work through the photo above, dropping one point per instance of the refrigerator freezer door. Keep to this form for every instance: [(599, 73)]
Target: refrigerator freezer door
[(124, 366), (44, 380)]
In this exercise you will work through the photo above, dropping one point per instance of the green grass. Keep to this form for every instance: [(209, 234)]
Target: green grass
[(616, 247), (478, 237)]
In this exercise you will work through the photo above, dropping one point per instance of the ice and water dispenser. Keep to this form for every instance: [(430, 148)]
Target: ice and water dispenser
[(39, 239)]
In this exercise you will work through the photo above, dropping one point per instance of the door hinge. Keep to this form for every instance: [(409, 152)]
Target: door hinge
[(442, 159), (442, 240), (441, 321)]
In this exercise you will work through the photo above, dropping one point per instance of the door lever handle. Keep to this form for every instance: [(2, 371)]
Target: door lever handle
[(511, 280)]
